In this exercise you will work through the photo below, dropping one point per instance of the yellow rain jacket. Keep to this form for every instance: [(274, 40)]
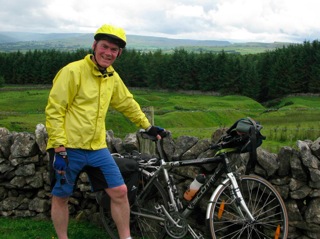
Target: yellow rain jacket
[(78, 104)]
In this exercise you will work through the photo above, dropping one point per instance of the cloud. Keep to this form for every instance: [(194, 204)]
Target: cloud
[(233, 20), (270, 19)]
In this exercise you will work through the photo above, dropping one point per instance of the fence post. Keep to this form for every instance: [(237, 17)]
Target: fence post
[(147, 146)]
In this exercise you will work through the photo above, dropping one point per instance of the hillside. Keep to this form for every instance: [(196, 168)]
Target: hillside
[(14, 41), (183, 113)]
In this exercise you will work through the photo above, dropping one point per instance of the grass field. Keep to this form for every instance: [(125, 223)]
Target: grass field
[(198, 115), (29, 228)]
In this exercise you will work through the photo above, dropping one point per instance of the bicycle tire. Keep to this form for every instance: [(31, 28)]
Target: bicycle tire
[(264, 203), (141, 227), (146, 227)]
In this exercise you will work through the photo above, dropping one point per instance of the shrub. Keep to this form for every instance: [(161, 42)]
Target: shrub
[(2, 81)]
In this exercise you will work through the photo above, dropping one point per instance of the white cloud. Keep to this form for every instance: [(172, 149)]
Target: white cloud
[(233, 20), (271, 19), (180, 10)]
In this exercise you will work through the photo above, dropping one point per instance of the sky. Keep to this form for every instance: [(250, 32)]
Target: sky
[(231, 20)]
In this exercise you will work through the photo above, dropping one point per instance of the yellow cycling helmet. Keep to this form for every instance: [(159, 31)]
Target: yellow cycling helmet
[(111, 33)]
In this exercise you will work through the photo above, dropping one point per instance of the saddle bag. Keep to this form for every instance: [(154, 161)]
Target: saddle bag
[(244, 136), (129, 169)]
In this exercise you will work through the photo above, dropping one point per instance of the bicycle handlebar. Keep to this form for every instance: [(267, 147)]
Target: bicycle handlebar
[(215, 146), (145, 135)]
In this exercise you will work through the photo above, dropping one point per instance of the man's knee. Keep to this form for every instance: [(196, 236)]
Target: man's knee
[(117, 193), (59, 201)]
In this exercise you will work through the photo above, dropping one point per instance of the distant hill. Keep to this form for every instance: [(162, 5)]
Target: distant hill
[(22, 41), (10, 37)]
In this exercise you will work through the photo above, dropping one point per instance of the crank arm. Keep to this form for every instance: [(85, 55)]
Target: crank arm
[(170, 218)]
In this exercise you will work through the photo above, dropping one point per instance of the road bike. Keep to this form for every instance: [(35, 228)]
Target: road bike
[(241, 206)]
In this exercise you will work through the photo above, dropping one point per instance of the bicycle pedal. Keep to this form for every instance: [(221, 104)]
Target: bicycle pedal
[(158, 208)]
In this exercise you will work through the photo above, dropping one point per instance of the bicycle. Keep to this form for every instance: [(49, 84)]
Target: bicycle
[(241, 206)]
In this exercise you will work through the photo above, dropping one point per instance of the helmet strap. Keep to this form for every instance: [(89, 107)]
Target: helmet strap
[(101, 69)]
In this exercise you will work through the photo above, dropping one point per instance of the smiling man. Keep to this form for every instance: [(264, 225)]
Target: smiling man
[(77, 107)]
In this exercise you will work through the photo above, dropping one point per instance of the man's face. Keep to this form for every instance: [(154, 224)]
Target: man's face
[(105, 52)]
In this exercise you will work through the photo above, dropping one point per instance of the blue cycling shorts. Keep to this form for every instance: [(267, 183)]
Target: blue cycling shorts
[(100, 166)]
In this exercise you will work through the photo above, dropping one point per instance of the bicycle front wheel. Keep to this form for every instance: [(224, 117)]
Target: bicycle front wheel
[(227, 219)]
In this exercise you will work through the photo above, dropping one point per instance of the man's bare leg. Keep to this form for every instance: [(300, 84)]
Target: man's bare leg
[(120, 210), (60, 216)]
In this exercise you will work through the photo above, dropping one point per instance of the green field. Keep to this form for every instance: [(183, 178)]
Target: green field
[(197, 114), (30, 228)]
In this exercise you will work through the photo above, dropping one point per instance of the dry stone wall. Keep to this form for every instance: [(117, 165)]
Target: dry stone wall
[(25, 189)]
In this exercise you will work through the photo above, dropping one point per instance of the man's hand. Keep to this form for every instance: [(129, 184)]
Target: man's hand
[(60, 161), (156, 132)]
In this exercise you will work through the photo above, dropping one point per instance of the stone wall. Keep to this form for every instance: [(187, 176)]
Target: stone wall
[(25, 189)]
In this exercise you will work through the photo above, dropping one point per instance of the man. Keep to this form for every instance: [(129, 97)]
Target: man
[(77, 106)]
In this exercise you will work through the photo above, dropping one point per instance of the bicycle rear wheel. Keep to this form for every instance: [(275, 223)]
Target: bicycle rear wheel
[(146, 212), (228, 220), (106, 218), (141, 226)]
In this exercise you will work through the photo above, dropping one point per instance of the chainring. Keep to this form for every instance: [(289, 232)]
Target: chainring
[(175, 231)]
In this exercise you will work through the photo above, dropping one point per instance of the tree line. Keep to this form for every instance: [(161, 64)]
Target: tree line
[(264, 76)]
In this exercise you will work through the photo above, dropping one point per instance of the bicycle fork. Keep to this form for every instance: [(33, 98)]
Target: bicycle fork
[(238, 196)]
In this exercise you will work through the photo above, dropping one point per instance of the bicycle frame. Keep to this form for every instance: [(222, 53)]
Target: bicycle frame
[(174, 201), (159, 210)]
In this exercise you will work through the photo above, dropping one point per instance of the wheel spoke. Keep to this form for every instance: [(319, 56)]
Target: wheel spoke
[(264, 203)]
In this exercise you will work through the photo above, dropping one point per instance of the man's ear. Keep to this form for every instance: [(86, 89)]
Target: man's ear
[(94, 44), (120, 52)]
